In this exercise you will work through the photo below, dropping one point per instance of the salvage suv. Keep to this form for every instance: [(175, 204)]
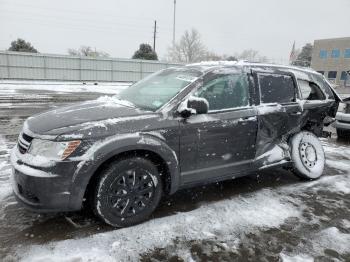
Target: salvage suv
[(177, 128)]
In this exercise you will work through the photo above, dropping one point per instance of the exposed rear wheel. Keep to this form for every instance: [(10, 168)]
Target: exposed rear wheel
[(307, 155), (128, 192)]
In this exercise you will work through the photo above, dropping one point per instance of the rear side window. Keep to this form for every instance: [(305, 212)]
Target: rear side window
[(310, 91), (322, 83), (276, 88)]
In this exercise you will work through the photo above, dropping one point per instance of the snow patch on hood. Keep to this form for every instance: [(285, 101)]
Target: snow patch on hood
[(114, 101), (113, 121)]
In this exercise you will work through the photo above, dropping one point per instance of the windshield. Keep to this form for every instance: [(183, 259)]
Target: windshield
[(157, 89)]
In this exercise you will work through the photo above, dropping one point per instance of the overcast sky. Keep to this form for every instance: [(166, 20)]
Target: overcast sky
[(119, 26)]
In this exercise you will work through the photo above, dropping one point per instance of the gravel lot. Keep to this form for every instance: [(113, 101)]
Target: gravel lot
[(267, 216)]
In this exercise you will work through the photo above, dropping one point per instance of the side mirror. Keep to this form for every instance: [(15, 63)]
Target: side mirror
[(194, 105)]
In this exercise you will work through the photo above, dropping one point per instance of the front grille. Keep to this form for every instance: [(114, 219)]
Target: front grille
[(24, 143)]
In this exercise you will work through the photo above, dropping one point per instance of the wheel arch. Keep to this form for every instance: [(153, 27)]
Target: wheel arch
[(146, 146)]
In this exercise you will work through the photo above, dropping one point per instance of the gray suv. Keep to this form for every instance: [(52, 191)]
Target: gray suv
[(177, 128)]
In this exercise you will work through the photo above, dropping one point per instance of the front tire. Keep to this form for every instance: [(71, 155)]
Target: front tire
[(307, 155), (128, 191)]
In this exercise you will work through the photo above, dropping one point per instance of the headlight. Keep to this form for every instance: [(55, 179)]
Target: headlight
[(341, 107), (53, 150)]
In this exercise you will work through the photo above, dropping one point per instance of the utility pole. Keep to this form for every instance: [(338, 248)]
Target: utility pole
[(174, 23), (154, 35)]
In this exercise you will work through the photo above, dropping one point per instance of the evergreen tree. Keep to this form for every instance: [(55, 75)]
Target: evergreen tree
[(304, 57), (145, 52), (21, 45), (231, 58)]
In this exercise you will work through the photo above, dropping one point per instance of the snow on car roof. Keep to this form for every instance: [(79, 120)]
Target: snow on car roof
[(206, 65)]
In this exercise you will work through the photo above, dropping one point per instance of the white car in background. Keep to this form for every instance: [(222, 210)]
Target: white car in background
[(342, 123)]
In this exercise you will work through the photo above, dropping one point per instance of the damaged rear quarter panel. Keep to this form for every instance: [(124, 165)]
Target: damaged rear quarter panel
[(278, 122)]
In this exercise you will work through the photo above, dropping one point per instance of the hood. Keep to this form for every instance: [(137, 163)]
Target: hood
[(69, 119)]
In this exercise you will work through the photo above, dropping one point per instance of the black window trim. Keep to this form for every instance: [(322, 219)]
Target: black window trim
[(249, 106), (283, 73)]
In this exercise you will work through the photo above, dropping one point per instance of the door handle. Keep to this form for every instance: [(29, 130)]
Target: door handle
[(246, 118), (243, 120)]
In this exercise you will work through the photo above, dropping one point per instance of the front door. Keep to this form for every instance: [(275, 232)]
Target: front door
[(222, 142)]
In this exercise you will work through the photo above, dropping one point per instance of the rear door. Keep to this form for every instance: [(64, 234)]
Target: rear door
[(279, 111)]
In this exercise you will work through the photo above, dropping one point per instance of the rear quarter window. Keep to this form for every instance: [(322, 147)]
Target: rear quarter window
[(276, 88), (310, 91), (318, 79)]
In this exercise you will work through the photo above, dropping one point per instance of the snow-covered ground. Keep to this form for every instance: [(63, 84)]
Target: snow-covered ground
[(5, 168), (226, 222), (268, 216)]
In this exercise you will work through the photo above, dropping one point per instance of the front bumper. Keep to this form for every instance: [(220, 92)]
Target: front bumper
[(342, 121), (342, 125), (44, 189)]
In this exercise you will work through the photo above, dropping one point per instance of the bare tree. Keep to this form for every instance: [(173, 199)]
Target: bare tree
[(229, 58), (212, 56), (251, 55), (87, 51), (189, 49)]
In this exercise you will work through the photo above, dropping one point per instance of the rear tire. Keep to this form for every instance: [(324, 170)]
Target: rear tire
[(128, 191), (307, 155)]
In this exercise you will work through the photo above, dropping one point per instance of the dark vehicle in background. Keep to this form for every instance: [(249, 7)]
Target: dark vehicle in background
[(177, 128)]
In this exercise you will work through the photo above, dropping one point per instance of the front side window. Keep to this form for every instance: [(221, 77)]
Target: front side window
[(225, 91), (157, 89), (276, 88)]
